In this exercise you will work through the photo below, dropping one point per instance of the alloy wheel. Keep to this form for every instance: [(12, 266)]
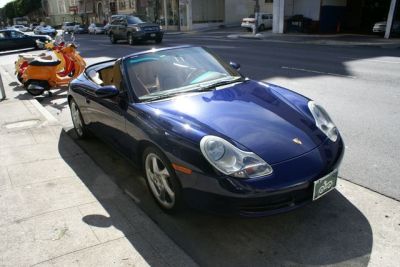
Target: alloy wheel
[(76, 119), (158, 178)]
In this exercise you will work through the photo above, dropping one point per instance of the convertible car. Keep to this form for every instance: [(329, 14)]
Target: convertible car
[(206, 136)]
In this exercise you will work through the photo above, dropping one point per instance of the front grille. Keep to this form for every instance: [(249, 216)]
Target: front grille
[(279, 201), (150, 29)]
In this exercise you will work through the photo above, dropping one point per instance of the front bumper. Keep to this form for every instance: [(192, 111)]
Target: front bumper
[(142, 35), (289, 187)]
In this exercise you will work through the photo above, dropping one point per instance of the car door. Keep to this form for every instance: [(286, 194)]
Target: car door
[(20, 40), (4, 41), (108, 114), (122, 28)]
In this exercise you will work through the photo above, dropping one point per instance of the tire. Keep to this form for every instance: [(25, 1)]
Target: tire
[(19, 77), (130, 39), (79, 125), (161, 180), (36, 92), (158, 40), (261, 28), (113, 40)]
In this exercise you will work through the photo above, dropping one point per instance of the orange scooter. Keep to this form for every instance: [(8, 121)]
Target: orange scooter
[(42, 74)]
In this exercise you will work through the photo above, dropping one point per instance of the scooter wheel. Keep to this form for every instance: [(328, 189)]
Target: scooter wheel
[(19, 78), (36, 88)]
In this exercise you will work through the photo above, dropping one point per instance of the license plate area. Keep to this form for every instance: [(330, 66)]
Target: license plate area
[(325, 184), (153, 35)]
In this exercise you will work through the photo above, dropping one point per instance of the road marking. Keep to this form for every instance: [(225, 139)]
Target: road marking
[(319, 72), (374, 60)]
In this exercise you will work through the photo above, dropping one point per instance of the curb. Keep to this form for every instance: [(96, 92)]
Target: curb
[(315, 42)]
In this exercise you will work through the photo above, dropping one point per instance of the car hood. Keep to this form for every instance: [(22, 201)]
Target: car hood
[(254, 116)]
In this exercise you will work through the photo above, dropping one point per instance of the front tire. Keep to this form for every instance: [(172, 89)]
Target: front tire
[(158, 40), (161, 180), (112, 38), (79, 125), (130, 39)]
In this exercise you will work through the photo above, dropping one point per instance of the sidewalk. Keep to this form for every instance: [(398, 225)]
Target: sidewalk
[(57, 207), (321, 39)]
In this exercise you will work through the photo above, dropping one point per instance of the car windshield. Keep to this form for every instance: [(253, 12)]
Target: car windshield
[(134, 20), (167, 73)]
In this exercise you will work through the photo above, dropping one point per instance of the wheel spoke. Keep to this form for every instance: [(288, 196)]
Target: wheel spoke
[(155, 165), (167, 188)]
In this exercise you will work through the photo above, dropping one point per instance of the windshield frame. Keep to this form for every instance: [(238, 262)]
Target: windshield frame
[(234, 76)]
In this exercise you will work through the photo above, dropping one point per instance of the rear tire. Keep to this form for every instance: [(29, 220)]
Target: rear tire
[(261, 28), (79, 125), (36, 92)]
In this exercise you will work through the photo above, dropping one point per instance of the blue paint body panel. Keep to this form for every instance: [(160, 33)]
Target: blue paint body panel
[(257, 117)]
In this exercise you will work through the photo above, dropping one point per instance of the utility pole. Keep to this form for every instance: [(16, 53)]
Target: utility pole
[(389, 21), (256, 14)]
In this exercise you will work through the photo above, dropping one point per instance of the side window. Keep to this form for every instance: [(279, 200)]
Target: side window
[(264, 16), (15, 34)]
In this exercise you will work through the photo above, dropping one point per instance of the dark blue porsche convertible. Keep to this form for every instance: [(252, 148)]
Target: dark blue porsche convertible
[(205, 135)]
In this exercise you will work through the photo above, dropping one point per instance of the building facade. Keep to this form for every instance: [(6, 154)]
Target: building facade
[(182, 15)]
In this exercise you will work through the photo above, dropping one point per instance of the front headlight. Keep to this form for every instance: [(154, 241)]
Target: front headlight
[(138, 29), (232, 161), (323, 121)]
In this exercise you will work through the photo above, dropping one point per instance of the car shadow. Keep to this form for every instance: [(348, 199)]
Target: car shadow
[(331, 231)]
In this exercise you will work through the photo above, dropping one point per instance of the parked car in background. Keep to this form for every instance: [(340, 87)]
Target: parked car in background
[(68, 26), (96, 28), (80, 29), (45, 30), (205, 135), (380, 27), (13, 39), (107, 28), (264, 22), (32, 26), (133, 29), (21, 28)]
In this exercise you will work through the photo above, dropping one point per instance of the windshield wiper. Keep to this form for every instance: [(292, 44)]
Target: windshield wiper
[(200, 88), (212, 86)]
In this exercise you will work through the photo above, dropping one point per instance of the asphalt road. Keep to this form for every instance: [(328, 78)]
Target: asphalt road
[(359, 86)]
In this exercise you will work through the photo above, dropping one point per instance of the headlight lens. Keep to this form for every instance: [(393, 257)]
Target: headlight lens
[(232, 161), (138, 29), (323, 121)]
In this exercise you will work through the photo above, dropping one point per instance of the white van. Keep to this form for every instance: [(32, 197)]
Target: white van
[(264, 22)]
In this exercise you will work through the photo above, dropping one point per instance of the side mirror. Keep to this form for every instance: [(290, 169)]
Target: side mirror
[(234, 65), (107, 91)]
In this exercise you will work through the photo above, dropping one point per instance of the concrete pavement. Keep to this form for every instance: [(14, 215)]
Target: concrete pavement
[(57, 207)]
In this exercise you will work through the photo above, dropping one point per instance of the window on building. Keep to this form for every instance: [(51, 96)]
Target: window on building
[(121, 4)]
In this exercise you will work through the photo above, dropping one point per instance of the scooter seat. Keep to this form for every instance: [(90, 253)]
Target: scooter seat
[(43, 62)]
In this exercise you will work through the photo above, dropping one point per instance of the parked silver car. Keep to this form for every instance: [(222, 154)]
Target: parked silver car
[(96, 28)]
